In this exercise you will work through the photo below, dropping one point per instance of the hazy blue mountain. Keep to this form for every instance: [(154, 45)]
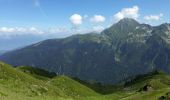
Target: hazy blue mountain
[(126, 49), (18, 41), (2, 51)]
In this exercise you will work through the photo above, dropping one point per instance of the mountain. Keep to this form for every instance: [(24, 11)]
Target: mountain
[(124, 50), (23, 83), (2, 51)]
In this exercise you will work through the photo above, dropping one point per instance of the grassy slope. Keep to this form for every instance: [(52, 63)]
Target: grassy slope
[(25, 83), (17, 85), (159, 82)]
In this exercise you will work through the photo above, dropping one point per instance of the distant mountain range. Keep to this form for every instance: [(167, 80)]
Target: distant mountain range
[(124, 50)]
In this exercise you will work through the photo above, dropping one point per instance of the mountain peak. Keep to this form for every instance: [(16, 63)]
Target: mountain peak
[(125, 25), (128, 21)]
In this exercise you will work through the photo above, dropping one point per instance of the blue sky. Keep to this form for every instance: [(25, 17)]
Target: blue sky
[(30, 21)]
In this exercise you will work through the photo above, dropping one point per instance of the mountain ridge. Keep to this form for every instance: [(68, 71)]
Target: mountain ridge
[(126, 49)]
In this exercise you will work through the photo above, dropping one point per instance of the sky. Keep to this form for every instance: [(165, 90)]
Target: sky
[(23, 22)]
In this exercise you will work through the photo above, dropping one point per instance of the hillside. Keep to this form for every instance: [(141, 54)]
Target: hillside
[(152, 87), (17, 84), (36, 72), (126, 49)]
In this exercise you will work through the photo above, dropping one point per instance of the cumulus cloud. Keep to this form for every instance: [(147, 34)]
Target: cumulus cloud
[(98, 19), (127, 13), (76, 19), (153, 17)]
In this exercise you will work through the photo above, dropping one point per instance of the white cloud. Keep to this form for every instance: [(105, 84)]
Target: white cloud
[(9, 32), (127, 13), (12, 31), (58, 30), (153, 17), (76, 19), (98, 19), (35, 31), (98, 29)]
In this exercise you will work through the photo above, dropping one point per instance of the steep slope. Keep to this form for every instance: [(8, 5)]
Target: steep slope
[(74, 56), (126, 49), (128, 30), (17, 85)]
